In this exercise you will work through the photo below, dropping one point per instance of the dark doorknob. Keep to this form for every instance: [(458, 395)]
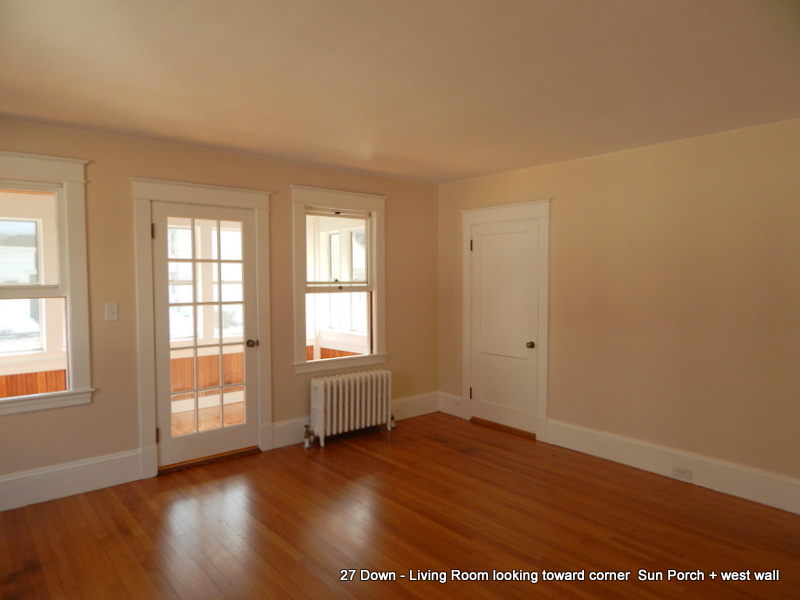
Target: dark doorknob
[(531, 345), (252, 343)]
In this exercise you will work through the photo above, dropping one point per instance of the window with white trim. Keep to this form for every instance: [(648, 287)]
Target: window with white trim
[(338, 254), (44, 337)]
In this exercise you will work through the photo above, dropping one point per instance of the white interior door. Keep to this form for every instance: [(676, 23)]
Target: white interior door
[(205, 321), (504, 322)]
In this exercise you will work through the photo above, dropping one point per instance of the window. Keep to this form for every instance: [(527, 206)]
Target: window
[(339, 298), (44, 350)]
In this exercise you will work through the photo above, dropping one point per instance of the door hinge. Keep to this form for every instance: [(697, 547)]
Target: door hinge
[(470, 246), (153, 230), (470, 393), (158, 435)]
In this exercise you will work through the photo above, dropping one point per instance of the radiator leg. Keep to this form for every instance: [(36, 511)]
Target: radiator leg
[(308, 439)]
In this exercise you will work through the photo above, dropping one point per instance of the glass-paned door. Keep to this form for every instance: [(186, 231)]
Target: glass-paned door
[(204, 270)]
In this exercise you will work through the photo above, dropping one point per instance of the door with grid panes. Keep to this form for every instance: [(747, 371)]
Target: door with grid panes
[(205, 318)]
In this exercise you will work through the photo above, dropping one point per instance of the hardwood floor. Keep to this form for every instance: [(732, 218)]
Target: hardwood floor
[(436, 494)]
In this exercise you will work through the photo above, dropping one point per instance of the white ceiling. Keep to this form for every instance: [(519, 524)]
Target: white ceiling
[(429, 90)]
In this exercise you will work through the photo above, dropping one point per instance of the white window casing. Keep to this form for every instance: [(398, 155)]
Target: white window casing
[(371, 208), (65, 178)]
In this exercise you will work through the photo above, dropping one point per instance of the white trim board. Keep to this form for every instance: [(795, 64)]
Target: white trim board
[(737, 480), (757, 485), (59, 481), (742, 481), (451, 404), (292, 431), (145, 192)]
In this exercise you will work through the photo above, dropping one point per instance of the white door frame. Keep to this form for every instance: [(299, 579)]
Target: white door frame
[(539, 211), (145, 192)]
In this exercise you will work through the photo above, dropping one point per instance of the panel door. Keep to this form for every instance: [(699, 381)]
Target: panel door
[(504, 323)]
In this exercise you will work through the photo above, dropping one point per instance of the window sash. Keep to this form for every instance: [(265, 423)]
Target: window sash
[(320, 202), (64, 177)]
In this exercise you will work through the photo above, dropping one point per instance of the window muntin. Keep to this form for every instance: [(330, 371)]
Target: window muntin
[(29, 244), (339, 290), (34, 353), (51, 368), (206, 324)]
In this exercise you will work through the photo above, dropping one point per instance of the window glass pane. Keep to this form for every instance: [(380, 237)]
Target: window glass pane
[(233, 364), (335, 249), (208, 366), (180, 280), (205, 239), (334, 259), (184, 414), (179, 237), (21, 326), (232, 290), (209, 403), (338, 324), (208, 324), (19, 252), (232, 323), (181, 326), (181, 370), (233, 406), (28, 238), (207, 282), (230, 237), (358, 253), (33, 348)]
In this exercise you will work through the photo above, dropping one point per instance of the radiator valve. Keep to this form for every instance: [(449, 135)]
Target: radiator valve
[(308, 439)]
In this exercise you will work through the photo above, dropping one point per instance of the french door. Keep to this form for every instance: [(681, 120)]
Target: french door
[(205, 321)]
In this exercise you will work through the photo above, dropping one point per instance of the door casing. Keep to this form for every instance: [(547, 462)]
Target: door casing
[(145, 192), (540, 212)]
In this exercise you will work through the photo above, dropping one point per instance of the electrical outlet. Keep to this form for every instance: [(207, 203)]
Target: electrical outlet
[(684, 473)]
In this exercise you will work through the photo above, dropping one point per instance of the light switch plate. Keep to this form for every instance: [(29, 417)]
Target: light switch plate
[(112, 311)]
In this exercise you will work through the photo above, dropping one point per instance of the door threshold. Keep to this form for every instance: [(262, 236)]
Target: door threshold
[(501, 427), (199, 462)]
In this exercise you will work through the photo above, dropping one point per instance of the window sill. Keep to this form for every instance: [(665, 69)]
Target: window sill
[(35, 402), (342, 362)]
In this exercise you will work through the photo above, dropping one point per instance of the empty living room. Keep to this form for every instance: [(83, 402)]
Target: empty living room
[(447, 299)]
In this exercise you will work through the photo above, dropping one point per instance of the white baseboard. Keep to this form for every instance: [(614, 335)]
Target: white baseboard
[(58, 481), (292, 431), (415, 406), (758, 485), (746, 482), (458, 406)]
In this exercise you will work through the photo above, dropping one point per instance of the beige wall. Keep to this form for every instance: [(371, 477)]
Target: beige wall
[(674, 291), (675, 288), (110, 423)]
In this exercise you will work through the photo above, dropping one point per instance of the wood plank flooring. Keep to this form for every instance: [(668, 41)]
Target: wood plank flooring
[(437, 494)]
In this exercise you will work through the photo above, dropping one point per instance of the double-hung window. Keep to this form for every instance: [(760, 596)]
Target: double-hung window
[(44, 337), (338, 261)]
